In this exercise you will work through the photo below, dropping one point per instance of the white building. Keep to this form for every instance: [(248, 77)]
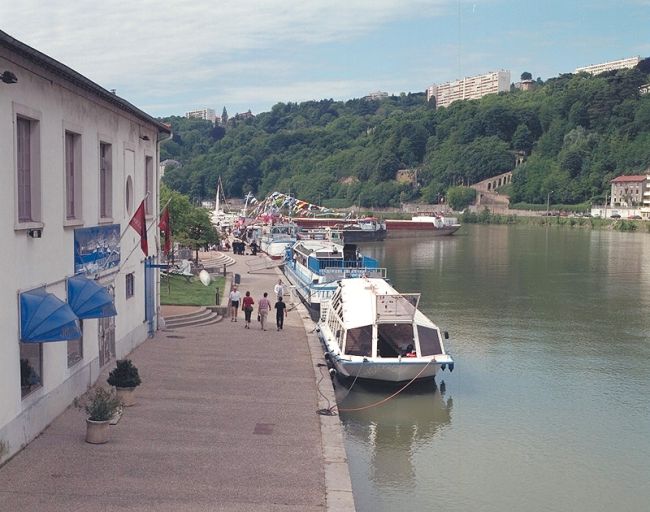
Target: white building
[(469, 88), (205, 113), (595, 69), (77, 162)]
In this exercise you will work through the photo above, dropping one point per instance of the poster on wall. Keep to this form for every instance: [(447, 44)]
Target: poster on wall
[(97, 248)]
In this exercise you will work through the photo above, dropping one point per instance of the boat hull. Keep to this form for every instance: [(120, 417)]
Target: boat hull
[(403, 370), (428, 227), (363, 235)]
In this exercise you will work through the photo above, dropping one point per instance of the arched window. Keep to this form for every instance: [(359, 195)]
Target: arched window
[(128, 195)]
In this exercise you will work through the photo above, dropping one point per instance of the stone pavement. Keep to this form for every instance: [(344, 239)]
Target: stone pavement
[(225, 420)]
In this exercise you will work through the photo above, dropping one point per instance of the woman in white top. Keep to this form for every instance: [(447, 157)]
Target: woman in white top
[(235, 297)]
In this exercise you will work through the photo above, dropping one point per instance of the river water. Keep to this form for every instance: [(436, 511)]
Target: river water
[(548, 408)]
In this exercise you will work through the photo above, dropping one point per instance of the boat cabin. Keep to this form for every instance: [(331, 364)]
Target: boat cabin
[(368, 318)]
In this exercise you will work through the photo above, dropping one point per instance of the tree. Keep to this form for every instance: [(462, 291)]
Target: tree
[(199, 232), (526, 76), (460, 198), (224, 117), (522, 140)]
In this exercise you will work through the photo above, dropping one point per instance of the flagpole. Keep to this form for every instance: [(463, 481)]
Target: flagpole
[(135, 246), (120, 240)]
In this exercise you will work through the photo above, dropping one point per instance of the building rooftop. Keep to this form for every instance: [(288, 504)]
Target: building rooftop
[(627, 179)]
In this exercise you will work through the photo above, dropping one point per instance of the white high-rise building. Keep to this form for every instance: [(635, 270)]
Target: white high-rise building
[(469, 88), (205, 113), (595, 69)]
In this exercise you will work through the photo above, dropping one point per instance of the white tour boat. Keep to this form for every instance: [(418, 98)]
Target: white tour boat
[(371, 331), (318, 259), (277, 237)]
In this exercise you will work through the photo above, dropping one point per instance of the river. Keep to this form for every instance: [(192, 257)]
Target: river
[(548, 408)]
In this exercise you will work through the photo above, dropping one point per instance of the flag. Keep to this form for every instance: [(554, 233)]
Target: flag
[(139, 223), (166, 228)]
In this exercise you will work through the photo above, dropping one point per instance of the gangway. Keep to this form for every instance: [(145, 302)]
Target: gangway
[(263, 264)]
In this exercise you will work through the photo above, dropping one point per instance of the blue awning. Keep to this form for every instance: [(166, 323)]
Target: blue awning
[(45, 317), (88, 299)]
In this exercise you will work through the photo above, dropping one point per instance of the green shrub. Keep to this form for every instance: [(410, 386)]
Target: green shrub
[(100, 404), (124, 375)]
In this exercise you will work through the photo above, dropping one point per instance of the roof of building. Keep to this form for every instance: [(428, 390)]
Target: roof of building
[(77, 79), (627, 179)]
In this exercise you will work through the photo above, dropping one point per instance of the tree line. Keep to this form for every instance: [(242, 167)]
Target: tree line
[(576, 132)]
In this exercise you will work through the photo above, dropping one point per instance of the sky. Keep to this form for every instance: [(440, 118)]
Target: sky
[(168, 57)]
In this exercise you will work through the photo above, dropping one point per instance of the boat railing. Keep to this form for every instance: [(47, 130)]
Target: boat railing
[(324, 265), (333, 274)]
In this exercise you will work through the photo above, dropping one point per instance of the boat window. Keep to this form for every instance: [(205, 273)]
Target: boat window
[(359, 341), (394, 340), (429, 341)]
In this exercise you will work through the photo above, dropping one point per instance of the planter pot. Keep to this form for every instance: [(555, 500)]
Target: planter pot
[(126, 396), (97, 431)]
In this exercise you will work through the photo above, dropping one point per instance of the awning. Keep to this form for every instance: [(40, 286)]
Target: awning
[(88, 299), (45, 317)]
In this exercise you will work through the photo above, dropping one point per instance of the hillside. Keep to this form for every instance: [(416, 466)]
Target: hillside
[(577, 132)]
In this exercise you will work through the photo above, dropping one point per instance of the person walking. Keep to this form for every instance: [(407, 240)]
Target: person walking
[(235, 297), (280, 313), (263, 308), (247, 307), (279, 289)]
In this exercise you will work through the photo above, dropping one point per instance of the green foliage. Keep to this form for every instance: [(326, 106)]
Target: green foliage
[(460, 198), (99, 404), (124, 375), (191, 225), (578, 131)]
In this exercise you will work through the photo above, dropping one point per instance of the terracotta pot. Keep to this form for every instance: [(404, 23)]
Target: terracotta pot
[(126, 396), (97, 431)]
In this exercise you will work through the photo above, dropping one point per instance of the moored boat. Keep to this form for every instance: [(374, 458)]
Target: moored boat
[(313, 266), (276, 237), (434, 224), (369, 229), (371, 331)]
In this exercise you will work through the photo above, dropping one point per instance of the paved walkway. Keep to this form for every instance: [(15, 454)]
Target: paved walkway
[(225, 421)]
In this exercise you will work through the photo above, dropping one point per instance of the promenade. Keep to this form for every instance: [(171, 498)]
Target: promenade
[(225, 420)]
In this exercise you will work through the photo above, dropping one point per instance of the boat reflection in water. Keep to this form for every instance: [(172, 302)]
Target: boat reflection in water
[(382, 441)]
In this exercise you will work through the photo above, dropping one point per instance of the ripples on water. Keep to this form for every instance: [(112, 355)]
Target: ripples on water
[(549, 405)]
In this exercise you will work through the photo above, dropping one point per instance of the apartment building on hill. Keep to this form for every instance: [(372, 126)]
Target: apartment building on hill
[(469, 88), (612, 65)]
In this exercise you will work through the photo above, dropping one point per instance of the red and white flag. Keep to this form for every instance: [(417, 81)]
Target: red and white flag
[(166, 228), (139, 223)]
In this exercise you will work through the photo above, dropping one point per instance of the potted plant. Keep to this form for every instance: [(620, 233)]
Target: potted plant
[(100, 405), (125, 378)]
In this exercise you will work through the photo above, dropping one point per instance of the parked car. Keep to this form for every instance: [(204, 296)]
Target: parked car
[(635, 217), (615, 216)]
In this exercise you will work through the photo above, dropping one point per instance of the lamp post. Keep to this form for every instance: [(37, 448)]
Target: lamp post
[(548, 199)]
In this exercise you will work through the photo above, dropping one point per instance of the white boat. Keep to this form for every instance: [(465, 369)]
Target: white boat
[(318, 259), (277, 237), (371, 331), (221, 218), (433, 223)]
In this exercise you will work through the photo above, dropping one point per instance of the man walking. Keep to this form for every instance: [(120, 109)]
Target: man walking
[(280, 313), (263, 308)]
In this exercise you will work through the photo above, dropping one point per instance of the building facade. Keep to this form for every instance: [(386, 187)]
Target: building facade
[(205, 113), (470, 88), (612, 65), (630, 191), (77, 163)]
